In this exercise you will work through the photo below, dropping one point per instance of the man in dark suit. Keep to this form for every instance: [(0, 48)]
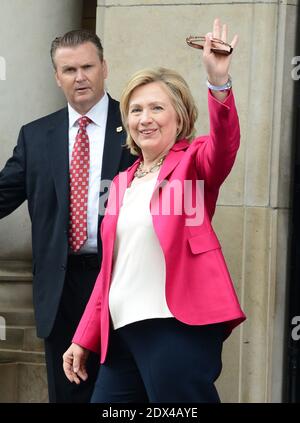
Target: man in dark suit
[(40, 171)]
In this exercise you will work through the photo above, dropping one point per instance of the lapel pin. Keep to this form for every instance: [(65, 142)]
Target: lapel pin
[(119, 129)]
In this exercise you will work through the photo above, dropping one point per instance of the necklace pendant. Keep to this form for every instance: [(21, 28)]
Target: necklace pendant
[(140, 174), (154, 168)]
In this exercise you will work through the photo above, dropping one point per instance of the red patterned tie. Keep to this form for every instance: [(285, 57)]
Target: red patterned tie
[(79, 184)]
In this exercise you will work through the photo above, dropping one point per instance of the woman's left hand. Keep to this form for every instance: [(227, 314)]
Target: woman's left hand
[(74, 363), (217, 65)]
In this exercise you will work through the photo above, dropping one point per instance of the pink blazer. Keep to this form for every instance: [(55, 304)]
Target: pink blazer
[(199, 290)]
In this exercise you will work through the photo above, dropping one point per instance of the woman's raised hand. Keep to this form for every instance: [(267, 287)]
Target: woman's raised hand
[(217, 65)]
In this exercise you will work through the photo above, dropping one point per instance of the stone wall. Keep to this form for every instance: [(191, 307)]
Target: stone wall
[(253, 207)]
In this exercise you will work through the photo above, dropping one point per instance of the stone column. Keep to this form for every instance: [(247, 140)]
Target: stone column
[(252, 212), (27, 92)]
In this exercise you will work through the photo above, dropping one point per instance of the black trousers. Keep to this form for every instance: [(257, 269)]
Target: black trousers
[(81, 275), (161, 360)]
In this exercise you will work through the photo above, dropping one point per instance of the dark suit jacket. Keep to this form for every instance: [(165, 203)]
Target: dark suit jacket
[(38, 172)]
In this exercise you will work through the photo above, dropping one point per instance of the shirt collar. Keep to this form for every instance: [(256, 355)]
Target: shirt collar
[(97, 113)]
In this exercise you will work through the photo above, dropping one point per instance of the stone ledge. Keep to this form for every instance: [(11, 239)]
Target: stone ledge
[(18, 316), (22, 339), (15, 270), (15, 295), (21, 356), (158, 3)]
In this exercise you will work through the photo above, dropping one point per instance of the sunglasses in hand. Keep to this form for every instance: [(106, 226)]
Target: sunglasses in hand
[(217, 46)]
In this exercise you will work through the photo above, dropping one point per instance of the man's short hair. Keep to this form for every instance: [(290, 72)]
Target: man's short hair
[(73, 39)]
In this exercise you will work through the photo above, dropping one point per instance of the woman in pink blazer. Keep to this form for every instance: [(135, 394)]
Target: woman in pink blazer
[(164, 301)]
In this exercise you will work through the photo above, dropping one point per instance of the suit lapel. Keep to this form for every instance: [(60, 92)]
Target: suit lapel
[(58, 153), (112, 153), (114, 138)]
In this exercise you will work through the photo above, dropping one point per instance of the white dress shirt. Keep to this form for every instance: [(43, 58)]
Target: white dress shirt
[(96, 132)]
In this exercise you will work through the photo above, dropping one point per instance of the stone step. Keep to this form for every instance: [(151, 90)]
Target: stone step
[(14, 295), (24, 382), (22, 359), (15, 284), (18, 356), (18, 316), (15, 270), (8, 385), (21, 339), (32, 383)]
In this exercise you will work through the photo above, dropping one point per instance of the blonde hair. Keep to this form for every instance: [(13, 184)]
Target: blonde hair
[(180, 96)]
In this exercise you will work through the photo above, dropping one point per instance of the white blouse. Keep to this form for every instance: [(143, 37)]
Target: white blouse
[(137, 289)]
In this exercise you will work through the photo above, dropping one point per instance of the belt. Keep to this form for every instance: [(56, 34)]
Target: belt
[(86, 261)]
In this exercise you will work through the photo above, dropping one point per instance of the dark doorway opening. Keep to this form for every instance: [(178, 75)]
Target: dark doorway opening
[(291, 392), (89, 10)]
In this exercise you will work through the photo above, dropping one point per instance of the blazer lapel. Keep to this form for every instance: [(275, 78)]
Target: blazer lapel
[(171, 161), (58, 153), (125, 178)]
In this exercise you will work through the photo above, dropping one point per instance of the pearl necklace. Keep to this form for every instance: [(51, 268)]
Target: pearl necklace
[(139, 173)]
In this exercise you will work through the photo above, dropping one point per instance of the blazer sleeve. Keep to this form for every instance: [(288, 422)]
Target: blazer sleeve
[(13, 179), (217, 151), (88, 332)]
